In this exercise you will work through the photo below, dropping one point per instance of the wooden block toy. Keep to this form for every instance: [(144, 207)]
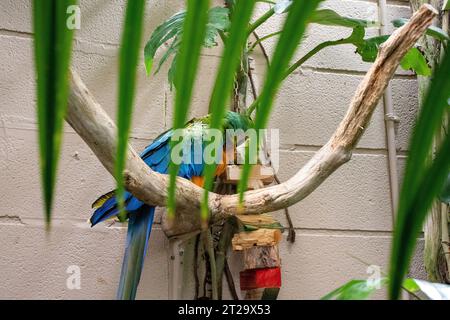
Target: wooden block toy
[(260, 175), (260, 278), (261, 257), (260, 237)]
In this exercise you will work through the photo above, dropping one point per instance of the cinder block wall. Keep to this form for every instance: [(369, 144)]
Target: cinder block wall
[(349, 215)]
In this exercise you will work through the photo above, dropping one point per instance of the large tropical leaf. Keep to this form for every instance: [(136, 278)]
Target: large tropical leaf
[(171, 29), (224, 81), (356, 290), (52, 50), (293, 30), (320, 16), (128, 59), (192, 39), (368, 48), (431, 290), (331, 18), (423, 179), (363, 289), (432, 31), (413, 60), (326, 16)]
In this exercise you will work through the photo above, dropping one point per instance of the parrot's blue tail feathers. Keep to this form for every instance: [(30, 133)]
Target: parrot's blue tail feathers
[(139, 227)]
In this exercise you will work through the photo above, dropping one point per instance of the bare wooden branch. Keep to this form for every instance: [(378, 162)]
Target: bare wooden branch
[(96, 128)]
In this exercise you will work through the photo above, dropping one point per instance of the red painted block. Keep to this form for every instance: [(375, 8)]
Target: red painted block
[(260, 278)]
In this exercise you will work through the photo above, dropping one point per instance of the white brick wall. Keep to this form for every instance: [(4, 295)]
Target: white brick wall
[(348, 215)]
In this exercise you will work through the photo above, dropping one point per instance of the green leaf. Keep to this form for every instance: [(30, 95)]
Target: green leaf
[(260, 40), (164, 32), (356, 36), (368, 48), (331, 18), (410, 285), (172, 28), (293, 30), (363, 289), (192, 39), (260, 20), (414, 60), (224, 80), (128, 60), (356, 290), (327, 17), (433, 291), (321, 16), (446, 5), (218, 21), (52, 51), (423, 181), (445, 194), (432, 31)]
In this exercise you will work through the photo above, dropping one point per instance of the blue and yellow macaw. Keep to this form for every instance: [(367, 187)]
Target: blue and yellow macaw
[(139, 214)]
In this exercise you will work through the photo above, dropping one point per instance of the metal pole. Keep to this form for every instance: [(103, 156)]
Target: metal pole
[(390, 120)]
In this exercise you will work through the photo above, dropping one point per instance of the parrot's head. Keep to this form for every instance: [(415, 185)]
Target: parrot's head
[(235, 121)]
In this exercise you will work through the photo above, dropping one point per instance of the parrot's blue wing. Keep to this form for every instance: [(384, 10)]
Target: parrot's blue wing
[(109, 209), (162, 140), (157, 157), (159, 160), (139, 228)]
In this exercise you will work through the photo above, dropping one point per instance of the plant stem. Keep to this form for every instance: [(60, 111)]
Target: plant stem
[(252, 83), (259, 40), (208, 242), (263, 50), (316, 49), (230, 281), (221, 252), (223, 36), (260, 21), (302, 60), (196, 279), (239, 93)]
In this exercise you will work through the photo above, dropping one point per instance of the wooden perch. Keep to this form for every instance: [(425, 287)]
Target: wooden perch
[(97, 129)]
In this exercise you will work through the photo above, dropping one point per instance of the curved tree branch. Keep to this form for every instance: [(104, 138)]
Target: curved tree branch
[(97, 129)]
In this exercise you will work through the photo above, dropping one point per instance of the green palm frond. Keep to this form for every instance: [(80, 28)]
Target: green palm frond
[(194, 30), (129, 56), (423, 179), (52, 50), (172, 29), (293, 30), (224, 80)]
